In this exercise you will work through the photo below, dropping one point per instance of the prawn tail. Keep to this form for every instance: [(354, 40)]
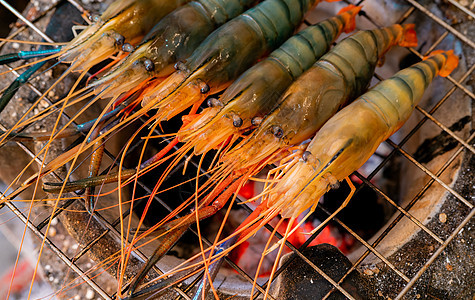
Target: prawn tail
[(349, 14), (409, 36), (451, 61)]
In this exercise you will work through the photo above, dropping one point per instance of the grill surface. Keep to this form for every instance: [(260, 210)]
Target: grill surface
[(394, 277)]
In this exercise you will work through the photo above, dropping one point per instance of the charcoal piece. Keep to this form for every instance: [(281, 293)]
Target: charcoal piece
[(299, 281)]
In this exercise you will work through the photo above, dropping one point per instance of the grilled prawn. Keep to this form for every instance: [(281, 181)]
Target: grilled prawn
[(172, 39), (350, 137)]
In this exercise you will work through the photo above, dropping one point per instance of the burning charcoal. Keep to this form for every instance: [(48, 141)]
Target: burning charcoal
[(300, 281)]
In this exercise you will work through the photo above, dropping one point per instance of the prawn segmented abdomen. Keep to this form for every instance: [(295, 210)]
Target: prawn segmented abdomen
[(395, 98), (311, 44), (278, 19), (270, 23), (357, 57)]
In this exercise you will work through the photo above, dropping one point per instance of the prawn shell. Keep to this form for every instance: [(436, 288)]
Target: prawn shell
[(228, 52)]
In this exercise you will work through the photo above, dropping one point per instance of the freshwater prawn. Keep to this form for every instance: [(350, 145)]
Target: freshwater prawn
[(342, 74), (350, 137)]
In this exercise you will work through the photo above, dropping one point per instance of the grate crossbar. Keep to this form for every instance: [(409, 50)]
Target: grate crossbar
[(396, 148)]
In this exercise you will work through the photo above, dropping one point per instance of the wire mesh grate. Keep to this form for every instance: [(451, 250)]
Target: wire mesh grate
[(371, 248)]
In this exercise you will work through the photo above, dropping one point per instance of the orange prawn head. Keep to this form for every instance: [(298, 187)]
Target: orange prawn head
[(258, 147), (176, 93), (213, 127), (133, 71), (94, 50), (336, 151)]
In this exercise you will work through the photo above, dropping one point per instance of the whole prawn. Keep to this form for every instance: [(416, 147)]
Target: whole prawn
[(350, 137)]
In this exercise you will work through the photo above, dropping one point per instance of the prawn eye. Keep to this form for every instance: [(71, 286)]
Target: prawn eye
[(237, 121), (179, 66), (127, 47), (95, 18), (335, 185), (204, 89), (212, 102), (149, 66), (256, 121), (119, 39), (306, 155), (277, 131)]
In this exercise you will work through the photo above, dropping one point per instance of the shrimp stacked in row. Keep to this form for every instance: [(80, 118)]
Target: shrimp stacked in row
[(338, 77), (339, 148), (289, 13), (281, 120), (341, 80), (342, 74)]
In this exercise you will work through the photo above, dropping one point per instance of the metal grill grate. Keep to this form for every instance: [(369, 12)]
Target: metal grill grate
[(463, 146)]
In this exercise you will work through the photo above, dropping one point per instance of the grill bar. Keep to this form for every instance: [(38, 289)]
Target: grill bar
[(435, 255), (450, 132), (56, 250), (397, 148), (428, 172), (462, 8), (439, 21), (27, 22)]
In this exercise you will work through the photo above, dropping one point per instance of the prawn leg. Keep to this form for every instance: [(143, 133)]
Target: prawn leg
[(81, 128), (166, 243), (26, 55), (55, 187), (11, 90), (172, 231)]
